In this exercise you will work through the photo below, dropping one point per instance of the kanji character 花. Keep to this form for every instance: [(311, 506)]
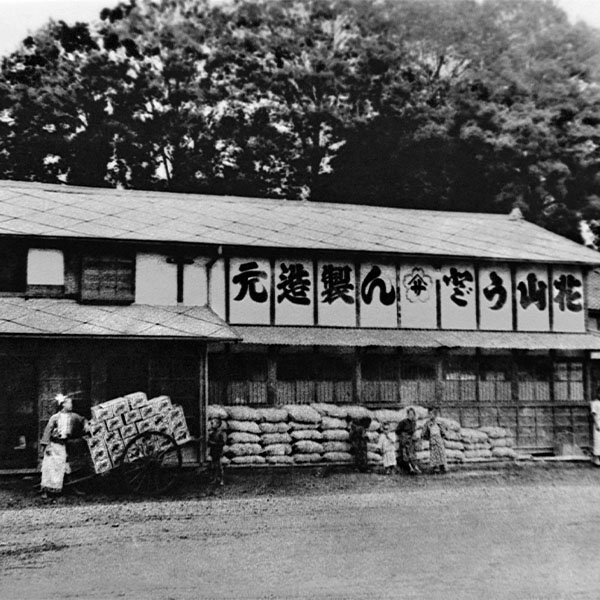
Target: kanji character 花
[(567, 297)]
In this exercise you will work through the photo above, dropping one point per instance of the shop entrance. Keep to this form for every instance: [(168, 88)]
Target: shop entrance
[(18, 413)]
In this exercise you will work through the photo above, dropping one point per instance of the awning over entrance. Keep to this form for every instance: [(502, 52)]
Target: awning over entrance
[(413, 338), (65, 318)]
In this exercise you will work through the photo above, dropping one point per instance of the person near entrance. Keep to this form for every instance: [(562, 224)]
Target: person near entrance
[(61, 436), (595, 413)]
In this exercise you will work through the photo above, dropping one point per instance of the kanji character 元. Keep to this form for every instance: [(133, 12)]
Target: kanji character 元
[(248, 279)]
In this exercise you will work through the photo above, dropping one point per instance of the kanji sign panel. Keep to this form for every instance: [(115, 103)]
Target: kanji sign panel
[(418, 296), (249, 291), (294, 292), (378, 298), (495, 298), (457, 297), (568, 312), (336, 289), (533, 312)]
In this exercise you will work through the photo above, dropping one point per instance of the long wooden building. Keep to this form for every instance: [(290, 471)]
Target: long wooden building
[(264, 302)]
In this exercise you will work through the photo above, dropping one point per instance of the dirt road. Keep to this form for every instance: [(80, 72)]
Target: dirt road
[(463, 538)]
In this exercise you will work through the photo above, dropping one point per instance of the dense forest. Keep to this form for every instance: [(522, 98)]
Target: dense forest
[(443, 104)]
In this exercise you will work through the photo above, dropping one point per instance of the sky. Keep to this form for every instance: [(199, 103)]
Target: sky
[(18, 18)]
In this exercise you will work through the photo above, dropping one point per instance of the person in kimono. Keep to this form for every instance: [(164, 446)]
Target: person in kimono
[(434, 432), (406, 436), (358, 442), (61, 437), (387, 446), (595, 414), (217, 438)]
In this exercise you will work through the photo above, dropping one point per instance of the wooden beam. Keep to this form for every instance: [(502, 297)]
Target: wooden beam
[(272, 376)]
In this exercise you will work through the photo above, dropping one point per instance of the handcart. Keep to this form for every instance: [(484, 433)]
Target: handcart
[(138, 440)]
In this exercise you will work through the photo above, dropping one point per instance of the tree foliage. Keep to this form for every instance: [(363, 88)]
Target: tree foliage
[(442, 104)]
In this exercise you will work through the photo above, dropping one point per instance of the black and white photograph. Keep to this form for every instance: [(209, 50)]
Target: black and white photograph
[(299, 299)]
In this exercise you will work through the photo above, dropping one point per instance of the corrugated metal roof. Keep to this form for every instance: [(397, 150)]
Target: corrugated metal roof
[(49, 317), (416, 338), (64, 211)]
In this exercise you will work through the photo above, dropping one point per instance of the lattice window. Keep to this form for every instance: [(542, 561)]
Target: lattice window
[(534, 380), (107, 279), (568, 381)]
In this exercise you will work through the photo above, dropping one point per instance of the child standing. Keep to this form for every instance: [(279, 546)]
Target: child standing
[(216, 442), (387, 445)]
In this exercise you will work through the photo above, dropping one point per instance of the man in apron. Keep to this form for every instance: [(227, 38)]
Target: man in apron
[(595, 412), (62, 430)]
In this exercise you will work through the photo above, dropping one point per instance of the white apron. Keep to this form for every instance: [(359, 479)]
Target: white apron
[(595, 410), (54, 467)]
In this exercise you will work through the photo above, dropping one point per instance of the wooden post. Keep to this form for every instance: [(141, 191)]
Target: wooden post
[(439, 376), (272, 376), (357, 382), (202, 402)]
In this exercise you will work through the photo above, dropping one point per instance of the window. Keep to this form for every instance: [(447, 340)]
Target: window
[(107, 279), (417, 384), (460, 378), (568, 381), (534, 380), (13, 267), (379, 367), (494, 381)]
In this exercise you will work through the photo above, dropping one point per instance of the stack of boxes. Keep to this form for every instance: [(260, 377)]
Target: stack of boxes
[(116, 422)]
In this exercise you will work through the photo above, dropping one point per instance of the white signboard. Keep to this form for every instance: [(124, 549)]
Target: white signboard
[(336, 288), (495, 298), (378, 297), (249, 291), (45, 267), (294, 292), (418, 296), (155, 280), (533, 313), (568, 312), (457, 297)]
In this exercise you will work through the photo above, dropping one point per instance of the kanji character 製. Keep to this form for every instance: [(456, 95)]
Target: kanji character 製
[(372, 281), (294, 284), (567, 296), (336, 284), (459, 280), (533, 292), (248, 279), (496, 290)]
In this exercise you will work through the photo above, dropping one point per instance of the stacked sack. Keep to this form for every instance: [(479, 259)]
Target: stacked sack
[(244, 436), (335, 436), (476, 443), (501, 442), (275, 436), (305, 432)]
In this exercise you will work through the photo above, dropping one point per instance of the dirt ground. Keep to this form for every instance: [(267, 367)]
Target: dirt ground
[(519, 532)]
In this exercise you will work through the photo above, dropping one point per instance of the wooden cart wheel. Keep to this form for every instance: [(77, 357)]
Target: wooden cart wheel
[(151, 463)]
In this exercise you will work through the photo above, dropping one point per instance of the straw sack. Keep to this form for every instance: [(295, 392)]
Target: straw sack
[(280, 460), (374, 458), (306, 434), (216, 411), (273, 415), (501, 442), (421, 445), (495, 432), (472, 435), (242, 437), (449, 424), (294, 425), (374, 448), (307, 458), (248, 426), (277, 450), (500, 452), (330, 410), (303, 413), (455, 455), (372, 436), (336, 447), (451, 445), (452, 435), (307, 447), (422, 456), (248, 460), (385, 415), (274, 427), (243, 413), (244, 449), (275, 438), (331, 423), (357, 412), (337, 457), (336, 435), (375, 425), (225, 461)]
